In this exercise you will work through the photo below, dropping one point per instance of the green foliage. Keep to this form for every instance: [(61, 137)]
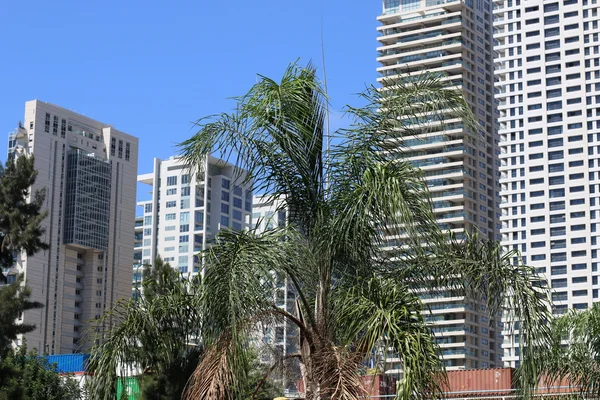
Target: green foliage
[(14, 299), (27, 376), (169, 382), (257, 387), (153, 335), (19, 231), (22, 375), (19, 219), (579, 362), (354, 294)]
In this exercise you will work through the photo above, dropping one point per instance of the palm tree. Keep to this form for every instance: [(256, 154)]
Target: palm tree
[(155, 335), (354, 295), (578, 362)]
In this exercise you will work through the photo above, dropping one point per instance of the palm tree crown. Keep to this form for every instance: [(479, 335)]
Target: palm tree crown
[(353, 294)]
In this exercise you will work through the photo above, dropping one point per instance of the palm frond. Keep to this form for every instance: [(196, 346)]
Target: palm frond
[(574, 352), (215, 377), (482, 272), (338, 367), (276, 133), (382, 315), (137, 335), (239, 277)]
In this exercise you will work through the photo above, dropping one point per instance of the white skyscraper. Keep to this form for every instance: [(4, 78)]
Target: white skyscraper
[(281, 338), (452, 39), (548, 88), (187, 210), (88, 170)]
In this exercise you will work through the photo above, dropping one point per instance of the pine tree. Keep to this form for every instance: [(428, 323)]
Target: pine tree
[(159, 279), (20, 230), (20, 220), (14, 299)]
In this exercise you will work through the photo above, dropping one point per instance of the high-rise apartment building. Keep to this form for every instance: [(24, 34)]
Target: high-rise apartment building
[(187, 209), (548, 88), (281, 338), (138, 267), (88, 170), (452, 39)]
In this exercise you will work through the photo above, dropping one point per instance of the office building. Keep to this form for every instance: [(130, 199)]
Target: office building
[(187, 209), (548, 88), (88, 170), (451, 39)]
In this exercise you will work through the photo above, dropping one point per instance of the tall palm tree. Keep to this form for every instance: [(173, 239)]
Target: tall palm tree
[(578, 363), (354, 295)]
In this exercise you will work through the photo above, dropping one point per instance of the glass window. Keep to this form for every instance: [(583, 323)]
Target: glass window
[(184, 217), (224, 221)]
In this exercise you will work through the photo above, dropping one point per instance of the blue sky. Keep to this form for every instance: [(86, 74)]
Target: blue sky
[(150, 68)]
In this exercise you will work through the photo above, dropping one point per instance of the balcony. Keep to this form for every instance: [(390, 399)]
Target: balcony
[(460, 214), (449, 194), (451, 21), (448, 171), (453, 352), (394, 31), (444, 329), (392, 52)]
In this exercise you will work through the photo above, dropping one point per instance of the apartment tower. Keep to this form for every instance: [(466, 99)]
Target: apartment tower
[(186, 209), (88, 170), (281, 338), (548, 88), (453, 40)]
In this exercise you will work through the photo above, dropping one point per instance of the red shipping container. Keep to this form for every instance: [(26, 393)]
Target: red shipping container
[(479, 381)]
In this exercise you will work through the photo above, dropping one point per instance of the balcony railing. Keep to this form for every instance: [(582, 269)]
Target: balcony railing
[(417, 48)]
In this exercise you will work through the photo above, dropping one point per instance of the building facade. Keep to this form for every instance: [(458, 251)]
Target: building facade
[(548, 88), (88, 170), (452, 39), (279, 339), (138, 267), (187, 209)]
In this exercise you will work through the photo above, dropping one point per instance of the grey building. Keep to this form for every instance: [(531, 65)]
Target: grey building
[(88, 170)]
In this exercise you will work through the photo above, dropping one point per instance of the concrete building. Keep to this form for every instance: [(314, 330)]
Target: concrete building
[(186, 210), (548, 88), (280, 339), (88, 170), (138, 267), (453, 40)]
